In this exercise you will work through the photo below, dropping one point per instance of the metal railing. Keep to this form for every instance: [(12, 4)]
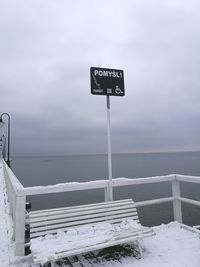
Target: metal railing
[(17, 196)]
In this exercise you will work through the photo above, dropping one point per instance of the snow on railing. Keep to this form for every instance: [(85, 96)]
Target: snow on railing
[(17, 208), (17, 196)]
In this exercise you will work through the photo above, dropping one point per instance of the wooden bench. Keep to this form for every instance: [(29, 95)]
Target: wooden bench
[(115, 213)]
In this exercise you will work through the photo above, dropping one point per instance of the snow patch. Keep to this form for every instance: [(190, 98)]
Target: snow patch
[(79, 237)]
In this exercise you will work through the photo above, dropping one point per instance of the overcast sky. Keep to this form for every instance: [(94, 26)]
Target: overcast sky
[(47, 48)]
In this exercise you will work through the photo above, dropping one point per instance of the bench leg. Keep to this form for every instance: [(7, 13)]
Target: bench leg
[(138, 249)]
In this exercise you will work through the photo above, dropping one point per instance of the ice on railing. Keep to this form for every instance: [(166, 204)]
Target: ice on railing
[(72, 184), (11, 176), (4, 235), (104, 182)]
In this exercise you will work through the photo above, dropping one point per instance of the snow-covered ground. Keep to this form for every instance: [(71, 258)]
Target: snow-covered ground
[(4, 242), (172, 246)]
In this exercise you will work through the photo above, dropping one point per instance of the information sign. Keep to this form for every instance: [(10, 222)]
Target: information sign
[(107, 81)]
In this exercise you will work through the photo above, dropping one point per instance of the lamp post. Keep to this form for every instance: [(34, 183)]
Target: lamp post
[(8, 136), (3, 145)]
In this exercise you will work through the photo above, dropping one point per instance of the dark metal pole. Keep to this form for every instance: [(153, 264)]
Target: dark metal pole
[(3, 139), (8, 138)]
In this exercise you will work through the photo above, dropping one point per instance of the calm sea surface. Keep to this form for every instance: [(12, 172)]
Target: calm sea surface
[(33, 171)]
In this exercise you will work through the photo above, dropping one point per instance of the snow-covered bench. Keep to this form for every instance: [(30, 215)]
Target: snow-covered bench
[(63, 232)]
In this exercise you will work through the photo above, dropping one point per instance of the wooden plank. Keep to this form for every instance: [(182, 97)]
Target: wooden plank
[(87, 206), (76, 223), (34, 233), (68, 218), (82, 213), (54, 231), (86, 221), (74, 213)]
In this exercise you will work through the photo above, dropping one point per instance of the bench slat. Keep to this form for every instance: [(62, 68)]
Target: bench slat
[(80, 211), (42, 213), (83, 211), (34, 234), (126, 214), (73, 215), (85, 205), (80, 218)]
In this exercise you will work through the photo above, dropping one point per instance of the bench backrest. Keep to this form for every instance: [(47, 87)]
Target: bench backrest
[(50, 221)]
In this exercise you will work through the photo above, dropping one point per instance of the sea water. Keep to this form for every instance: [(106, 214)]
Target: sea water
[(33, 171)]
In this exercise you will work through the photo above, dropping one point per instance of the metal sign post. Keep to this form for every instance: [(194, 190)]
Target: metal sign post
[(109, 82)]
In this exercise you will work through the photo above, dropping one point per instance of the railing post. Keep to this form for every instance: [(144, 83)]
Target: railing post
[(1, 148), (106, 194), (176, 193), (19, 225)]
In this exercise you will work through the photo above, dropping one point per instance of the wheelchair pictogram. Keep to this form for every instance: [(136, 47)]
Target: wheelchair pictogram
[(118, 91)]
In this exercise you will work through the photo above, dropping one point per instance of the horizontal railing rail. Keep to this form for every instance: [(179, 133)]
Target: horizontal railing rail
[(17, 196), (153, 201), (189, 201), (63, 187), (188, 178), (137, 181), (98, 184)]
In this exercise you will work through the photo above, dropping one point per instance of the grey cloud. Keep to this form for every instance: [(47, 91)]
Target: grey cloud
[(47, 48)]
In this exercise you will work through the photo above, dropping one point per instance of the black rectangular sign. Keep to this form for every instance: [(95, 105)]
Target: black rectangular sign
[(107, 81)]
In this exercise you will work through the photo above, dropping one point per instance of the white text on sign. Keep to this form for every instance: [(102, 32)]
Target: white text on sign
[(107, 73)]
